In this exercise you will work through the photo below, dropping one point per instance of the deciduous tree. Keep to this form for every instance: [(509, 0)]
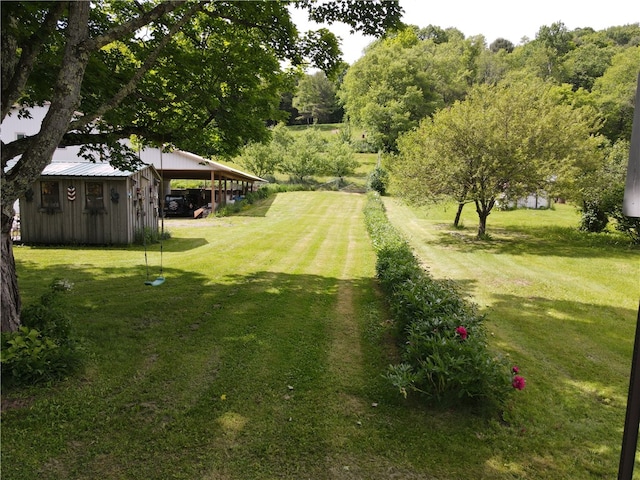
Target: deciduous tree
[(506, 140), (316, 98)]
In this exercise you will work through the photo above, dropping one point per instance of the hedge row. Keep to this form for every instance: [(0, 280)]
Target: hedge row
[(444, 354)]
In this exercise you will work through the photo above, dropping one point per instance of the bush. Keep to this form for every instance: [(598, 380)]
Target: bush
[(378, 180), (148, 236), (441, 336), (42, 349), (594, 219)]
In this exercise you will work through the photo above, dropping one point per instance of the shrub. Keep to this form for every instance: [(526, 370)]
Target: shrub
[(442, 338), (42, 349), (594, 218), (378, 180)]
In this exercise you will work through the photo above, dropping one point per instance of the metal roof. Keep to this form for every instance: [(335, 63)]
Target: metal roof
[(83, 169)]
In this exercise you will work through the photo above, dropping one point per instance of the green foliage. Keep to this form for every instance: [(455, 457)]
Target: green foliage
[(593, 218), (378, 180), (42, 349), (148, 236), (316, 98), (511, 139), (444, 353), (303, 158), (390, 89), (339, 159), (600, 192), (615, 91)]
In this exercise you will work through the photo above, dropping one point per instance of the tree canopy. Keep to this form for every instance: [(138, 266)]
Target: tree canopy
[(500, 143), (316, 98)]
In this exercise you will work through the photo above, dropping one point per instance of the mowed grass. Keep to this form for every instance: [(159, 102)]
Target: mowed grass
[(563, 305), (262, 355)]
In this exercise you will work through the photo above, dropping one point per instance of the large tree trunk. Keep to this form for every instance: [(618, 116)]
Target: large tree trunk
[(10, 308), (66, 95)]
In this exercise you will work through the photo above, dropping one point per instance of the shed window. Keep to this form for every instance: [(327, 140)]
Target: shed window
[(95, 197), (50, 193)]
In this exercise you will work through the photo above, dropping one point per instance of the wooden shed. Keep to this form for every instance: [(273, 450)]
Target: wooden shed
[(90, 203)]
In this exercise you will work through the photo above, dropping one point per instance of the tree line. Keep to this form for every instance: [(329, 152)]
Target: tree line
[(484, 124)]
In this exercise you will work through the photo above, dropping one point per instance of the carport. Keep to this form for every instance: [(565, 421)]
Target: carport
[(226, 183)]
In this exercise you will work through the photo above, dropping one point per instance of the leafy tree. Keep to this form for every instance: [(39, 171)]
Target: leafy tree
[(303, 157), (435, 33), (492, 67), (340, 160), (259, 158), (402, 79), (505, 140), (501, 44), (378, 180), (615, 92), (316, 98), (202, 75), (600, 192), (586, 63), (625, 35)]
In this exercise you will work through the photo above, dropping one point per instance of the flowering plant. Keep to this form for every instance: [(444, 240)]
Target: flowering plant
[(462, 332), (518, 382)]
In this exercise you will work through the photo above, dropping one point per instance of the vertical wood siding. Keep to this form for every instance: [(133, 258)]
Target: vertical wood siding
[(75, 224)]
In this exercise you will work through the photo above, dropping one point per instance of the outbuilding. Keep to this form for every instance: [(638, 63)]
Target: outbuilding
[(90, 203)]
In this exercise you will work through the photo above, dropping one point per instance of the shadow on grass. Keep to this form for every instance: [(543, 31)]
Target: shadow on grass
[(174, 244), (238, 374), (538, 240), (258, 209), (579, 348)]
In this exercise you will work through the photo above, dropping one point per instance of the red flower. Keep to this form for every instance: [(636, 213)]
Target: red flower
[(462, 332), (518, 382), (515, 369)]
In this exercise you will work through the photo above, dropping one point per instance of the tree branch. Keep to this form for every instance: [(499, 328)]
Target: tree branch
[(131, 85), (16, 74), (134, 24)]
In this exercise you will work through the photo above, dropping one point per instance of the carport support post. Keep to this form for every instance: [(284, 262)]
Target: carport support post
[(213, 190), (631, 208)]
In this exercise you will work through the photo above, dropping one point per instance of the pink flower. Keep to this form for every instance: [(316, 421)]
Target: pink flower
[(515, 369), (518, 382), (462, 332)]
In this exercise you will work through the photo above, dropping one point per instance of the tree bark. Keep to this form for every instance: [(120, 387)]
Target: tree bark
[(39, 153), (483, 208), (456, 221), (11, 304)]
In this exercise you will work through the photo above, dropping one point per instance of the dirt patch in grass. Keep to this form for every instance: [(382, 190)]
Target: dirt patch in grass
[(15, 403)]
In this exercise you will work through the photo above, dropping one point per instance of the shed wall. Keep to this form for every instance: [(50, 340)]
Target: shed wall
[(129, 203)]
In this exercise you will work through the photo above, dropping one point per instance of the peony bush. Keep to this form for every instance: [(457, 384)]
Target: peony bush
[(444, 354)]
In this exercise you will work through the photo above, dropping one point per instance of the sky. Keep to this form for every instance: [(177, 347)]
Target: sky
[(494, 19)]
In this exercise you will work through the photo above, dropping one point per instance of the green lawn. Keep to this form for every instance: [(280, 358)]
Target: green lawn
[(261, 355)]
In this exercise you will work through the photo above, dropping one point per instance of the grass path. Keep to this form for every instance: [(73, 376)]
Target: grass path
[(261, 358)]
